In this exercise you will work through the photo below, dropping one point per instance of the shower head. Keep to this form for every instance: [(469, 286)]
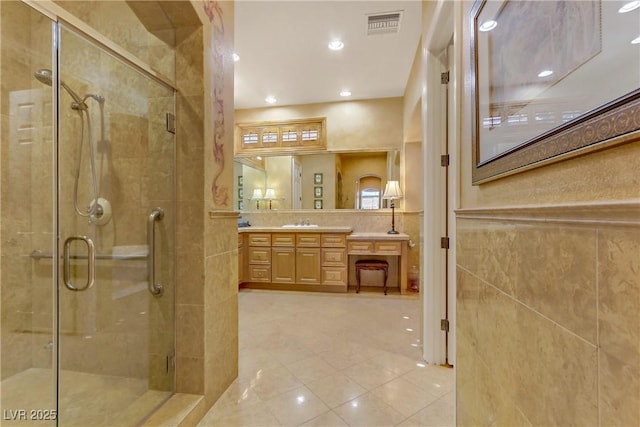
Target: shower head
[(45, 76)]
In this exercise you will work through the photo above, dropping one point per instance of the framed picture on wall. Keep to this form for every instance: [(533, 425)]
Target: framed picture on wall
[(317, 204), (240, 193), (240, 181), (317, 178), (317, 192), (240, 205), (530, 110)]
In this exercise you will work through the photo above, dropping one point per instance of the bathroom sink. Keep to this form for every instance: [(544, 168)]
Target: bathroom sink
[(299, 226)]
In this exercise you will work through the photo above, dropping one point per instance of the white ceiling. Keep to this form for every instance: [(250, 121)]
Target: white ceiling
[(283, 51)]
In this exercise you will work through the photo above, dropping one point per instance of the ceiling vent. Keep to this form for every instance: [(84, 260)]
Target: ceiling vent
[(384, 23)]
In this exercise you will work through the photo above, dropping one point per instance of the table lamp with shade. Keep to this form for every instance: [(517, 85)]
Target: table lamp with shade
[(257, 196), (270, 195), (392, 192)]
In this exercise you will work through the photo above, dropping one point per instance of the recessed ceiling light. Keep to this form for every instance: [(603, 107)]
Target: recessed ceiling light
[(270, 99), (545, 73), (236, 57), (345, 93), (488, 25), (336, 45), (628, 7), (636, 40)]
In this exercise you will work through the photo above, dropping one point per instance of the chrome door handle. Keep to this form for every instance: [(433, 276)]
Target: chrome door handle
[(91, 264), (156, 214)]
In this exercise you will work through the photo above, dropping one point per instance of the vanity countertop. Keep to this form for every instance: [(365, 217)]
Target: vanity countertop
[(301, 229), (377, 236)]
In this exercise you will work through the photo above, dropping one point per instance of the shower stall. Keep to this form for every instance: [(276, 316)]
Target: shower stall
[(87, 229)]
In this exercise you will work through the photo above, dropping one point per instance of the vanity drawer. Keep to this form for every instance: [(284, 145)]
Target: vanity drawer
[(259, 239), (260, 255), (334, 276), (259, 273), (387, 248), (334, 240), (283, 239), (334, 257), (308, 240), (361, 248)]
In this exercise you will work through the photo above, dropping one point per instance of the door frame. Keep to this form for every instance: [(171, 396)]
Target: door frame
[(436, 40)]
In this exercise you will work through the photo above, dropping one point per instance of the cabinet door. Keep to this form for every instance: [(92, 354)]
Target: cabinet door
[(308, 266), (283, 265), (241, 258)]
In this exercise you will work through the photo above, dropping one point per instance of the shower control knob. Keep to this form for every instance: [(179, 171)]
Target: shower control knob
[(101, 211)]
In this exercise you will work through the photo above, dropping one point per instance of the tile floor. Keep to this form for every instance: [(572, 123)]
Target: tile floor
[(312, 359)]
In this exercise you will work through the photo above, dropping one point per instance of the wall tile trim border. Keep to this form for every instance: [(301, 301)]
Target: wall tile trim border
[(626, 214)]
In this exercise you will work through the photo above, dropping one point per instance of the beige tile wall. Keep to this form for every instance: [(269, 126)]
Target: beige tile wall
[(548, 308), (26, 190)]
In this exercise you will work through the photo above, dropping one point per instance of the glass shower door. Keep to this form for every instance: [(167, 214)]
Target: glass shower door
[(116, 215), (27, 188)]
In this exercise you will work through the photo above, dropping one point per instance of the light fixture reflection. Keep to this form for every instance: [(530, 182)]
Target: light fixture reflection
[(300, 399), (270, 195), (488, 25), (236, 57), (628, 7), (409, 330), (421, 365), (270, 99), (336, 45), (636, 40), (345, 93), (545, 73), (405, 317)]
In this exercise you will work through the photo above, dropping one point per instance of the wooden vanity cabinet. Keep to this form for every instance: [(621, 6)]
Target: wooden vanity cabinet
[(283, 258), (308, 258), (298, 261), (259, 257), (241, 257), (334, 259)]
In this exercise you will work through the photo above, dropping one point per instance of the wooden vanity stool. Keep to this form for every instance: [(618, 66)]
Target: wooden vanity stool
[(371, 264)]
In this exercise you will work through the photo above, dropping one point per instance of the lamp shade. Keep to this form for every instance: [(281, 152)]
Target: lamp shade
[(392, 190), (257, 194), (270, 194)]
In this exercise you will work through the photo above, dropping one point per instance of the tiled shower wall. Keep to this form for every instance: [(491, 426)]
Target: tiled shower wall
[(548, 309), (27, 189)]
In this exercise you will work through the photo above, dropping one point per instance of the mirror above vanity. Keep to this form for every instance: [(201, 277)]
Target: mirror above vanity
[(327, 180)]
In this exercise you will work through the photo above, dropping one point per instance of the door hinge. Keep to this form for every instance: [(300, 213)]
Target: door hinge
[(444, 78), (171, 123), (444, 242), (444, 160), (171, 361), (444, 325)]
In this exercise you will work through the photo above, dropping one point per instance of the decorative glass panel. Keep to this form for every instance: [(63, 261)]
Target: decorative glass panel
[(289, 136), (310, 135), (269, 137), (250, 138)]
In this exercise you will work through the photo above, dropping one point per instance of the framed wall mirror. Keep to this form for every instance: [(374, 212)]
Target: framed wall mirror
[(300, 181)]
